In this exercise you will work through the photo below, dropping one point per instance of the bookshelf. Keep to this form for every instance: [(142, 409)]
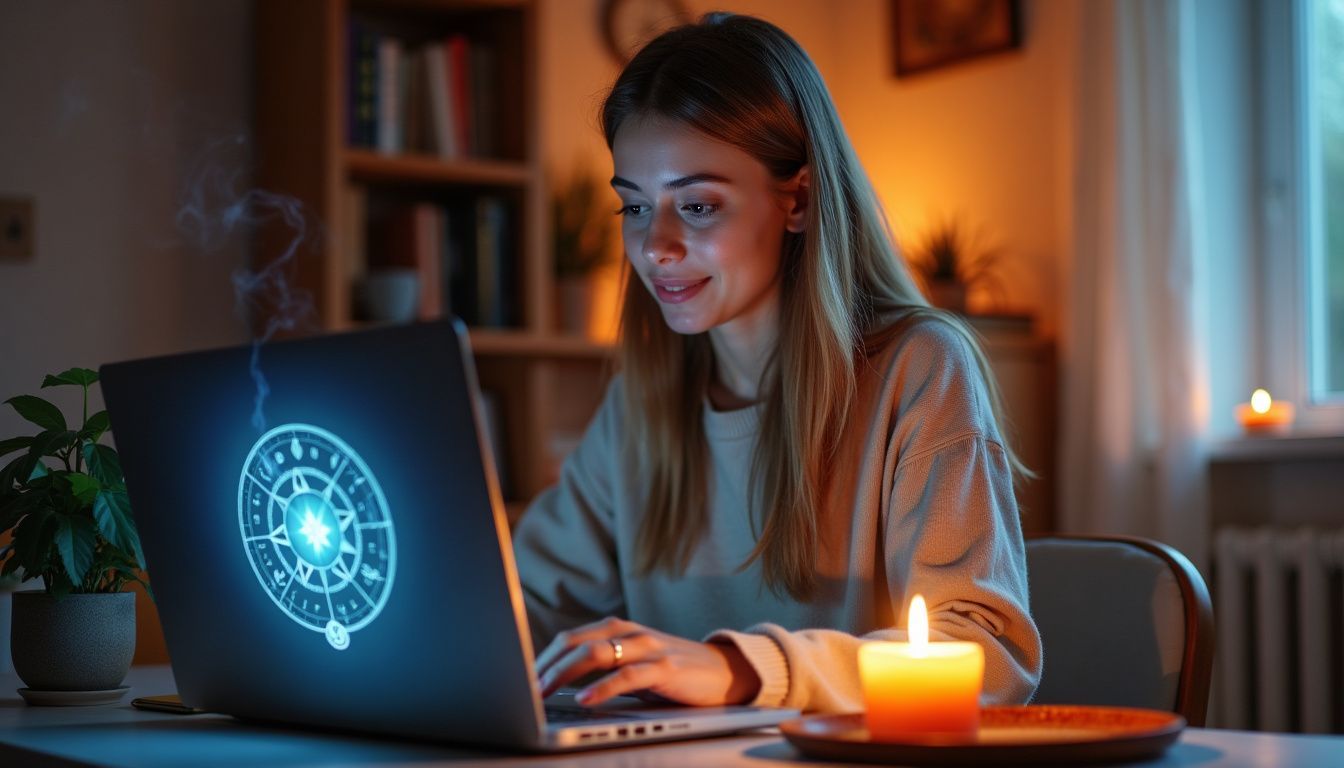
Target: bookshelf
[(441, 177)]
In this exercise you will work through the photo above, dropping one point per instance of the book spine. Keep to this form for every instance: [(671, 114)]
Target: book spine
[(459, 53), (440, 100), (389, 95), (363, 87)]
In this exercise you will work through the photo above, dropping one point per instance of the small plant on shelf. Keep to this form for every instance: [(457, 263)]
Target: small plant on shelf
[(949, 262)]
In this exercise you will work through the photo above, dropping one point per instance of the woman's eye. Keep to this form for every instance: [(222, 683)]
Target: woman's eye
[(700, 210), (630, 210)]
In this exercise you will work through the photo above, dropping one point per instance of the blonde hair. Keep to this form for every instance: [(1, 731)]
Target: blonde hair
[(844, 292)]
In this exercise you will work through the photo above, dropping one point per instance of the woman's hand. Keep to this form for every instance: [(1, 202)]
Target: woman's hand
[(684, 671)]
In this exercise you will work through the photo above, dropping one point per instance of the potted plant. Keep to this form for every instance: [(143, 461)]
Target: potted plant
[(63, 501), (949, 262), (582, 229)]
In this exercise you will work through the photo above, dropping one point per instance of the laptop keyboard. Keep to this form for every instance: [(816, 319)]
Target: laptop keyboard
[(579, 715)]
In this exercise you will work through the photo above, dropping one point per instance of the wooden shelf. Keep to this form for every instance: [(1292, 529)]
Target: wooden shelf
[(373, 167), (545, 384)]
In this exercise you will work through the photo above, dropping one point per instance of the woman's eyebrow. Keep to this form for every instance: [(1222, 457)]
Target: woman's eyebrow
[(684, 181)]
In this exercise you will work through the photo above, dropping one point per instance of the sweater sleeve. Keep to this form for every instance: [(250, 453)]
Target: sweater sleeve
[(564, 544), (949, 531)]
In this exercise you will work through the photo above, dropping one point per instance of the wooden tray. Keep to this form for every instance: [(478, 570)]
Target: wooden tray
[(1008, 735)]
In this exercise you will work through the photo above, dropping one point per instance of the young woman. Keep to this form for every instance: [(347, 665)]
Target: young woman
[(796, 443)]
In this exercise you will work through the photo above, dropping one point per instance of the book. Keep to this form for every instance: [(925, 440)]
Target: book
[(428, 230), (438, 78), (494, 435), (353, 246), (389, 130), (483, 104), (459, 58), (363, 87)]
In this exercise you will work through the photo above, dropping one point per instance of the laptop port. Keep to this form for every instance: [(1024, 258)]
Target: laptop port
[(657, 729), (639, 730), (622, 731)]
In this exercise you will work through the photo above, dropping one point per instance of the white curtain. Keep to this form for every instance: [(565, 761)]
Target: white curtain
[(1132, 455)]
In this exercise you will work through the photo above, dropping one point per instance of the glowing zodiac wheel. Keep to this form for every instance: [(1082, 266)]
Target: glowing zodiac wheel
[(316, 530)]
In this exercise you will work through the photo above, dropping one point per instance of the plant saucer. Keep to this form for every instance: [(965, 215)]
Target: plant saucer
[(73, 698)]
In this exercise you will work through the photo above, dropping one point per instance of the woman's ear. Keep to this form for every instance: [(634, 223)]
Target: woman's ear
[(795, 200)]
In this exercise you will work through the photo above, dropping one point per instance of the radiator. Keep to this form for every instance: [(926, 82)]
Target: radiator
[(1278, 606)]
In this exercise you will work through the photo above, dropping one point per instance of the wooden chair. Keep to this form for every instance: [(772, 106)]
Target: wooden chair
[(1124, 621)]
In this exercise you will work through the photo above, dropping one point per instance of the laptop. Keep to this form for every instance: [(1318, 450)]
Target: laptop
[(327, 542)]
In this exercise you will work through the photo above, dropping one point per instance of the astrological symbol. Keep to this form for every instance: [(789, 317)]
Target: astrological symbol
[(370, 573)]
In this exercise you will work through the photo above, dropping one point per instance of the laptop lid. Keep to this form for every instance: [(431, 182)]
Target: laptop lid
[(325, 536)]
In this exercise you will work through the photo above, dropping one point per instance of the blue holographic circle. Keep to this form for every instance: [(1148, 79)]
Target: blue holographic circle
[(316, 529)]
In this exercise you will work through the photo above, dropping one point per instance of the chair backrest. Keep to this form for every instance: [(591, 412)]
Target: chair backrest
[(1124, 621)]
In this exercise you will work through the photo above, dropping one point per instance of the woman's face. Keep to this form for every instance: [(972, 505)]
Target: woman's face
[(703, 223)]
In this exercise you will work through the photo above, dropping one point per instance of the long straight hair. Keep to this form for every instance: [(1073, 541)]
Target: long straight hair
[(744, 82)]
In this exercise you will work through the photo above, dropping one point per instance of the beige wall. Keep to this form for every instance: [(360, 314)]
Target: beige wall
[(985, 141)]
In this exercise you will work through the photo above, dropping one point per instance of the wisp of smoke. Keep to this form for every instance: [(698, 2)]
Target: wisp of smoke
[(213, 212)]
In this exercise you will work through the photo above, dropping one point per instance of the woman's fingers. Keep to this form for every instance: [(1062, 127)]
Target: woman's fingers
[(595, 655), (635, 677), (565, 642)]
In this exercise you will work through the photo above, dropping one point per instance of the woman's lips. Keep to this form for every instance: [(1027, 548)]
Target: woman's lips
[(677, 291)]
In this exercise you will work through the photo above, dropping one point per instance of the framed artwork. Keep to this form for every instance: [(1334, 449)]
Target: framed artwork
[(933, 33)]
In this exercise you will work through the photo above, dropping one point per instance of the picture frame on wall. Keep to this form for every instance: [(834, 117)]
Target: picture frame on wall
[(928, 34)]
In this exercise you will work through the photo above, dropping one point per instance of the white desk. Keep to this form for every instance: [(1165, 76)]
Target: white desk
[(122, 736)]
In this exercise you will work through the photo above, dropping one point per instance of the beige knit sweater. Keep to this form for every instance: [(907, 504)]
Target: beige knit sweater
[(926, 506)]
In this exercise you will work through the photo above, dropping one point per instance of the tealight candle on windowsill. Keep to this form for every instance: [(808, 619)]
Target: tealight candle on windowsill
[(1264, 415), (919, 690)]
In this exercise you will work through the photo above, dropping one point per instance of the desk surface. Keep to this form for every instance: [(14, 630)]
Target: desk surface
[(122, 736)]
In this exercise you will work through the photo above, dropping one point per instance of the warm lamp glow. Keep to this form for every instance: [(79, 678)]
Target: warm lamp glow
[(919, 626), (1261, 401)]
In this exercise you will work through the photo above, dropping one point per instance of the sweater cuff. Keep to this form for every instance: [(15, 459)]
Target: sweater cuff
[(766, 657)]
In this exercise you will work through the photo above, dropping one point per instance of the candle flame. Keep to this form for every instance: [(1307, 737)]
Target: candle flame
[(919, 624), (1260, 401)]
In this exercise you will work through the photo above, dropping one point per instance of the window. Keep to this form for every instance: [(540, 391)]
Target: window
[(1302, 185), (1324, 174)]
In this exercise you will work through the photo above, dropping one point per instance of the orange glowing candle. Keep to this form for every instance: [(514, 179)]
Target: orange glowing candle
[(919, 690), (1264, 414)]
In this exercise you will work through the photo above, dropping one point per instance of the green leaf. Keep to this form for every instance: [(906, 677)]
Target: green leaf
[(38, 411), (84, 487), (79, 377), (33, 540), (13, 444), (52, 442), (103, 464), (97, 424), (25, 468), (18, 506), (112, 512), (75, 540)]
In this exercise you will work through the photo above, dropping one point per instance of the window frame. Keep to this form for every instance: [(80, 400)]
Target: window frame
[(1287, 221)]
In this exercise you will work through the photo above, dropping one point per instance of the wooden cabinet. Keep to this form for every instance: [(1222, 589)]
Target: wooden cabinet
[(313, 145)]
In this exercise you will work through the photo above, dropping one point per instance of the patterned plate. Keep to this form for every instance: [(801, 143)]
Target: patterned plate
[(1008, 735)]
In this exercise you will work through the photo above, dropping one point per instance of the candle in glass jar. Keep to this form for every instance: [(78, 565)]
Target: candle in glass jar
[(921, 690)]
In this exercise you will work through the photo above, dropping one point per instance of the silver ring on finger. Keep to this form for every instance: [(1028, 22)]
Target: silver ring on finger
[(617, 652)]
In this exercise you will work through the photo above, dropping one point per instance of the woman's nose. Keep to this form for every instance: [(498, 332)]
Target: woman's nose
[(662, 240)]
